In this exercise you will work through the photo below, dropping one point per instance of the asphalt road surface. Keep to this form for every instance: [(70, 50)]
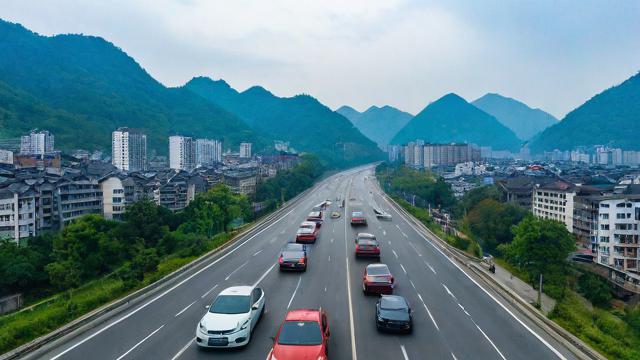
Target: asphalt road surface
[(454, 317)]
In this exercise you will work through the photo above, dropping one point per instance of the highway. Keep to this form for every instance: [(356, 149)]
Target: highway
[(454, 318)]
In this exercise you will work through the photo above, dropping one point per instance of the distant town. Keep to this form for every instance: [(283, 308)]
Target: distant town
[(594, 192), (43, 189)]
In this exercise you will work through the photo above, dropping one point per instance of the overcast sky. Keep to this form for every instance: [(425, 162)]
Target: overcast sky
[(550, 54)]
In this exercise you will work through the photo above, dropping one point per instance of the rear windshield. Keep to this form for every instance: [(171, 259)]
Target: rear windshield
[(314, 214), (356, 214), (231, 304), (392, 303), (300, 333), (378, 270), (293, 247), (306, 226), (292, 254), (367, 242)]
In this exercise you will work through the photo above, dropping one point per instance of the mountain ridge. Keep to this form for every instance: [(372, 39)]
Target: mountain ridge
[(452, 119), (379, 124)]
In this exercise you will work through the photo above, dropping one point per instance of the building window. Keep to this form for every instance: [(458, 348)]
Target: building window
[(604, 216)]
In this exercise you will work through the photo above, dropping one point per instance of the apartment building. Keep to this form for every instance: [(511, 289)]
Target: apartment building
[(76, 197), (113, 197), (450, 154), (37, 142), (554, 201), (182, 153), (245, 150), (18, 212), (241, 182), (129, 149), (208, 152)]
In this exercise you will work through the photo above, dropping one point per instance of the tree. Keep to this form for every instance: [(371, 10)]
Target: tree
[(541, 246), (595, 289), (145, 221), (474, 197), (490, 222)]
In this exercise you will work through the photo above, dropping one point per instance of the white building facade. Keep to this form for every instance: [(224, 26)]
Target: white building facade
[(38, 142), (245, 150), (182, 153), (555, 201), (208, 152), (129, 150)]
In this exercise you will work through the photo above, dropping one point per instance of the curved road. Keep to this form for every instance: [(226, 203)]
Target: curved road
[(454, 317)]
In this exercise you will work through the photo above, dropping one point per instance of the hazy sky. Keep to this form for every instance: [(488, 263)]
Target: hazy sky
[(550, 54)]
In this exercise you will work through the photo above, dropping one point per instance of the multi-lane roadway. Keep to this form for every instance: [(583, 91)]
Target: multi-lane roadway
[(454, 317)]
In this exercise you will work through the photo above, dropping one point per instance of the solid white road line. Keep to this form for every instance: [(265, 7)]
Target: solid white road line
[(354, 354), (138, 344), (463, 309), (184, 348), (183, 310), (404, 352), (210, 290), (294, 292), (491, 342), (428, 241), (234, 271), (170, 289)]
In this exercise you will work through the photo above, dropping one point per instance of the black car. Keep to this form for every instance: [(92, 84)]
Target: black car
[(293, 256), (393, 313)]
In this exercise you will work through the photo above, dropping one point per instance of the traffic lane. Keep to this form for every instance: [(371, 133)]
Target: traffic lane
[(123, 335), (425, 339), (496, 323), (278, 298)]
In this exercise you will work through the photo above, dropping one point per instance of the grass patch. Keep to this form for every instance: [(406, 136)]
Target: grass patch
[(21, 327), (603, 330)]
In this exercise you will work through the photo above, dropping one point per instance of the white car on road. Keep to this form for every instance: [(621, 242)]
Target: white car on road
[(231, 318)]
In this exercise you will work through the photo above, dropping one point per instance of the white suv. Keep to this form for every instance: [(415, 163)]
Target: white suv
[(231, 317)]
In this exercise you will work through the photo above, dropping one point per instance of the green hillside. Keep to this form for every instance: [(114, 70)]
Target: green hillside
[(379, 124), (453, 119)]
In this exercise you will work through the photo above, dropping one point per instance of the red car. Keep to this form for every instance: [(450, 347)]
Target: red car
[(377, 279), (367, 245), (307, 232), (304, 334), (316, 217), (358, 218)]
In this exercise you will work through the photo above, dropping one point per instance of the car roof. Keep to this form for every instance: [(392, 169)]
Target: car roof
[(378, 266), (237, 290), (303, 315), (314, 213), (308, 223), (293, 246), (366, 235)]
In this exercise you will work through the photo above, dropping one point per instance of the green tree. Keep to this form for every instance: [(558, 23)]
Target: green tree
[(145, 222), (490, 222), (541, 246), (595, 289), (474, 197)]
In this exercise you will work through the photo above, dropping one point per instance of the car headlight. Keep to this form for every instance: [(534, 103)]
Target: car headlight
[(380, 318), (244, 326), (202, 327)]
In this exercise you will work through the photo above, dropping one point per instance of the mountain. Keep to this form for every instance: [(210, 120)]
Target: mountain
[(302, 120), (610, 118), (524, 121), (452, 119), (84, 87), (377, 123)]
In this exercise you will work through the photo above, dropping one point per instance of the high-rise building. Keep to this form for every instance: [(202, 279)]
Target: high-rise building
[(129, 149), (208, 152), (245, 150), (38, 142), (182, 153)]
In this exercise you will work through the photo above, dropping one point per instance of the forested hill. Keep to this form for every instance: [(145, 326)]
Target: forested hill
[(83, 87)]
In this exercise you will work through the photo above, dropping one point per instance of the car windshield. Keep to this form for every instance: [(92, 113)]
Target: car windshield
[(300, 333), (231, 304), (314, 214), (306, 226), (392, 303), (377, 270)]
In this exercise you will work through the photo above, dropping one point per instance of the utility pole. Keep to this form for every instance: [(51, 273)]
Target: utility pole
[(540, 292)]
